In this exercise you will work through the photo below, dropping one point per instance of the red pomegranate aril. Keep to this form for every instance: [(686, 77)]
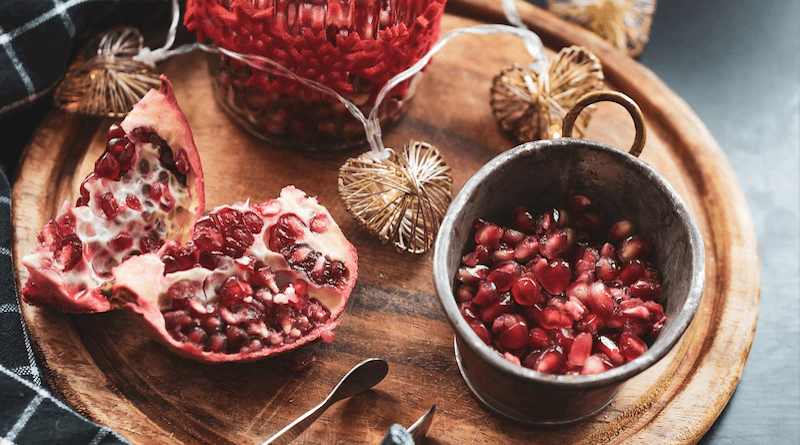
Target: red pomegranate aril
[(633, 247), (526, 249), (538, 338), (133, 203), (68, 252), (563, 338), (502, 255), (578, 203), (526, 290), (182, 161), (486, 294), (600, 300), (607, 346), (107, 166), (620, 230), (554, 318), (481, 331), (521, 220), (554, 244), (595, 364), (631, 346), (469, 311), (123, 241), (503, 305), (631, 271), (606, 269), (554, 276), (511, 330), (646, 289), (489, 235), (478, 256), (115, 130), (504, 274), (551, 360), (511, 236), (589, 221), (581, 349)]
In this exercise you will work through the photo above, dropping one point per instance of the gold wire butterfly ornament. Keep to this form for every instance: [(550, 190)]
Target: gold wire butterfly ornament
[(623, 23), (531, 106), (105, 80)]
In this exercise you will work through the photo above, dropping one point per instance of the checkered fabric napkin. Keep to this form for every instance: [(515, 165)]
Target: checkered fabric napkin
[(29, 413)]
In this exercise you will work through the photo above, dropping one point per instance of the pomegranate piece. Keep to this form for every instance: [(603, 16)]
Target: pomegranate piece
[(551, 294), (118, 214), (279, 280)]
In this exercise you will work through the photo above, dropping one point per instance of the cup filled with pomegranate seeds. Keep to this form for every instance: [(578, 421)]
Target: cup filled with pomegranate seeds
[(566, 267), (352, 47)]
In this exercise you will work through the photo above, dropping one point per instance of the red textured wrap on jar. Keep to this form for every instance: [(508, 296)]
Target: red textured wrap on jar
[(351, 46)]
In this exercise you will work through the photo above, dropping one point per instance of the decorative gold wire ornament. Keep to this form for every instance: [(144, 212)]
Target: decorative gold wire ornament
[(623, 23), (532, 106), (401, 199), (105, 80)]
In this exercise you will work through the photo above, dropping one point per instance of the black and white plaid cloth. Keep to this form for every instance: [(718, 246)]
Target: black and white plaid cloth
[(37, 41)]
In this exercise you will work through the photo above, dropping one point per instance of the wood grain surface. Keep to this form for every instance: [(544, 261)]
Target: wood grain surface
[(104, 367)]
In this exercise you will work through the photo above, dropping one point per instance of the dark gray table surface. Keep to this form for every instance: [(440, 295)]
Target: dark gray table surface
[(737, 64)]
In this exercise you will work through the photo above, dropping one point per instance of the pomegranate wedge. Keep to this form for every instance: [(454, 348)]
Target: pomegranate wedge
[(253, 281), (146, 188)]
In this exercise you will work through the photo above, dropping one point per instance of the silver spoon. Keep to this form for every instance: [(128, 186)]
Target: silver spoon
[(362, 377)]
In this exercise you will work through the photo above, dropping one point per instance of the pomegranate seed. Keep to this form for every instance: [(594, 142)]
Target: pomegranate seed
[(526, 249), (633, 247), (504, 275), (181, 161), (472, 275), (115, 131), (600, 300), (607, 346), (489, 235), (554, 276), (68, 252), (620, 230), (526, 291), (511, 236), (578, 203), (469, 311), (563, 338), (581, 349), (503, 305), (107, 166), (555, 244), (110, 206), (478, 256), (512, 331), (148, 244), (551, 361), (595, 364), (589, 221), (631, 271), (160, 192), (606, 269), (486, 294), (482, 331), (217, 342), (502, 255), (521, 220), (646, 289), (590, 323), (122, 242), (133, 203), (554, 318), (318, 224), (538, 338)]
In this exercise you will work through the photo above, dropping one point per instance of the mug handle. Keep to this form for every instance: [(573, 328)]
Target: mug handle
[(612, 96)]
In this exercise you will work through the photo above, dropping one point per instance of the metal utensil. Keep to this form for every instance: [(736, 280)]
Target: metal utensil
[(362, 377), (420, 428)]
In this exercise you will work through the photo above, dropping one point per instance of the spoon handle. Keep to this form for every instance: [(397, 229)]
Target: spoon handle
[(362, 377), (292, 430)]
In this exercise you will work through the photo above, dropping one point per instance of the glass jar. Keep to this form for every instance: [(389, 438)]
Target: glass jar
[(351, 46)]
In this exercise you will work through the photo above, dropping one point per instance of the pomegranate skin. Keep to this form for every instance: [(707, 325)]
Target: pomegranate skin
[(255, 325), (101, 218)]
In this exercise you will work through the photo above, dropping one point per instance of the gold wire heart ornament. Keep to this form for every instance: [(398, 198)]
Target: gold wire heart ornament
[(623, 23), (401, 199), (531, 106), (104, 79)]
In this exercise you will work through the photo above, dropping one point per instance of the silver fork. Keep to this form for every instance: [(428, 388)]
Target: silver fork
[(420, 428)]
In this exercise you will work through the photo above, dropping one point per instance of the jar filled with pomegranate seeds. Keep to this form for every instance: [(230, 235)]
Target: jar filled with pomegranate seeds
[(351, 46)]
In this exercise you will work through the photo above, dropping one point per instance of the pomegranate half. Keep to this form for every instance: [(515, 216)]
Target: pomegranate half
[(146, 188), (254, 280)]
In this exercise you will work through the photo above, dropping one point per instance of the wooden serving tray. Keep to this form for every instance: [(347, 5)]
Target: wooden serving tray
[(108, 371)]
